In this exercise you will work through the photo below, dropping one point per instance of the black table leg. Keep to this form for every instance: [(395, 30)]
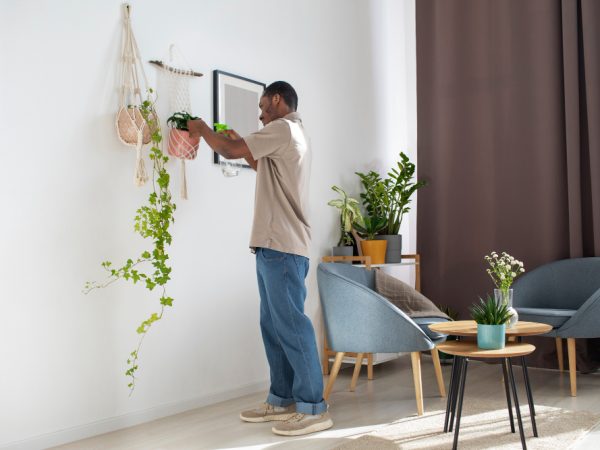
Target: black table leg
[(463, 381), (516, 398), (529, 396), (508, 402), (528, 391), (457, 378), (451, 389)]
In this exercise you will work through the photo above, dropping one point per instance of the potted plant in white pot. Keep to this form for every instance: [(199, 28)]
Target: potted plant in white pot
[(390, 198), (349, 214), (369, 245), (491, 318)]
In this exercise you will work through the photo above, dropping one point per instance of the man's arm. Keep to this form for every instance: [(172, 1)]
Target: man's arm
[(249, 159), (225, 146)]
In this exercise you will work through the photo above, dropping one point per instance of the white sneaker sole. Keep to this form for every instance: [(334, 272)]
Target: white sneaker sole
[(269, 418), (318, 426)]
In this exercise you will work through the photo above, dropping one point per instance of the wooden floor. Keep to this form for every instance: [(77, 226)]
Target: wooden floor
[(390, 396)]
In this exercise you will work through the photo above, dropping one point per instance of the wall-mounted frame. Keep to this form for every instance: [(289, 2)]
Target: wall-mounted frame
[(235, 102)]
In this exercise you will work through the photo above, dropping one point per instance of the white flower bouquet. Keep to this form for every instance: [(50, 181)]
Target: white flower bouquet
[(503, 269)]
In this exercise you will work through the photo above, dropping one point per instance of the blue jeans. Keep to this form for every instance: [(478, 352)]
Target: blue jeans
[(287, 332)]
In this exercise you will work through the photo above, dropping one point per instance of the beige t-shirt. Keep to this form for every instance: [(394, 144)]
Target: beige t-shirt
[(282, 151)]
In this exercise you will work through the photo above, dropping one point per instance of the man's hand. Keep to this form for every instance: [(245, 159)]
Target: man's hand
[(228, 143), (231, 134), (197, 127)]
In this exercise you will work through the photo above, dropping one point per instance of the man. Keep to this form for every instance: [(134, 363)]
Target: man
[(280, 154)]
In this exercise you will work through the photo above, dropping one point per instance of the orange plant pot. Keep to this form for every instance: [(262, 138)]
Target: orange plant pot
[(374, 249), (181, 145)]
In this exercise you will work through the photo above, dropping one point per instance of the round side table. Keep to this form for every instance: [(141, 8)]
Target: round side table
[(468, 328), (462, 351)]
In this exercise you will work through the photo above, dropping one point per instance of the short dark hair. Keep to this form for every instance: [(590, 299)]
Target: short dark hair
[(285, 90)]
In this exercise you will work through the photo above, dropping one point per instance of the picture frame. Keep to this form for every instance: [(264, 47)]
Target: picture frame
[(235, 103)]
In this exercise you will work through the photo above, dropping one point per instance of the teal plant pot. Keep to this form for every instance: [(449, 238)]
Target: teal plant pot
[(491, 337)]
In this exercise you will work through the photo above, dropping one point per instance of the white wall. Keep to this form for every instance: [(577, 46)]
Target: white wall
[(68, 199)]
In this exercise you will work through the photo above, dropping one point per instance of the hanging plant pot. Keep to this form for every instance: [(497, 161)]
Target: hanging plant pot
[(129, 121), (374, 249), (182, 145)]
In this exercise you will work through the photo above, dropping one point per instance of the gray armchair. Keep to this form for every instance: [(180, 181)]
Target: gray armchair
[(359, 320), (566, 295)]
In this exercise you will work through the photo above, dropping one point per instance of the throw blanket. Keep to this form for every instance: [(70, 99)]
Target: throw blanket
[(407, 299)]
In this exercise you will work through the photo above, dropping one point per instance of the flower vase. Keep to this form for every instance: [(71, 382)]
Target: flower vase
[(506, 297)]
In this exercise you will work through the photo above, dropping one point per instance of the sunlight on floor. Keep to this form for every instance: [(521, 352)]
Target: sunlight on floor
[(300, 442)]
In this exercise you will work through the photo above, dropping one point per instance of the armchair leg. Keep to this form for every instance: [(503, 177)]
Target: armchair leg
[(357, 366), (416, 369), (369, 366), (435, 355), (572, 365), (334, 373), (559, 354), (325, 357)]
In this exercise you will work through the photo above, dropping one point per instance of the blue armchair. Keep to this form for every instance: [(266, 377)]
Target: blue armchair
[(566, 295), (359, 320)]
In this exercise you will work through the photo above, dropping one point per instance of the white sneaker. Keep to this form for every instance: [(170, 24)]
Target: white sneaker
[(300, 424), (267, 413)]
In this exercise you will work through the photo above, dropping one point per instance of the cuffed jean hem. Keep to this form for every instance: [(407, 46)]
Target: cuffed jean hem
[(272, 399), (301, 407), (311, 408)]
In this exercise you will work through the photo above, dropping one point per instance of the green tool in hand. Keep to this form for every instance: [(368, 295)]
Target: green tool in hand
[(221, 127)]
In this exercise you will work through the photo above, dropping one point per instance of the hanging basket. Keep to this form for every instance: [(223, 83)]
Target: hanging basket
[(129, 122), (131, 127), (182, 145)]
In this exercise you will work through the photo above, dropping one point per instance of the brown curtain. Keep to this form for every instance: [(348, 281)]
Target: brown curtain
[(508, 98)]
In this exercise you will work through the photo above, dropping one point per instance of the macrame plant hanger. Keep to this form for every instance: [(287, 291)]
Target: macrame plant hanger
[(177, 79), (132, 129)]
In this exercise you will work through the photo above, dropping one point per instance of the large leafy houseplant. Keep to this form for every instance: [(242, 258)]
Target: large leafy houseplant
[(349, 213), (391, 196), (152, 222), (400, 188)]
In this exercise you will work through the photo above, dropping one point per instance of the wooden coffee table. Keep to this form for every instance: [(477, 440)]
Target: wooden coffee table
[(462, 351), (468, 328)]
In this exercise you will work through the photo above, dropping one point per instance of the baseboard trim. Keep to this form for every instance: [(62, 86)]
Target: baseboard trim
[(65, 436)]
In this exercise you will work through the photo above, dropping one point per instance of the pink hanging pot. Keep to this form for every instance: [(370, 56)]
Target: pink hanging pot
[(182, 145)]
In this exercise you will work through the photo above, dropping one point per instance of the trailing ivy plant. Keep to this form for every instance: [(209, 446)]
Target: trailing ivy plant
[(151, 222)]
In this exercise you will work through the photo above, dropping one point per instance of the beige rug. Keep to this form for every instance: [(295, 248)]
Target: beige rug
[(484, 424)]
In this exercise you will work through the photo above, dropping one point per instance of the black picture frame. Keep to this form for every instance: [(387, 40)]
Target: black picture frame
[(240, 96)]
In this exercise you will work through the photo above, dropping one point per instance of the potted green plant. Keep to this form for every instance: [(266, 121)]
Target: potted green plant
[(349, 213), (181, 144), (491, 318), (390, 198), (370, 246)]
